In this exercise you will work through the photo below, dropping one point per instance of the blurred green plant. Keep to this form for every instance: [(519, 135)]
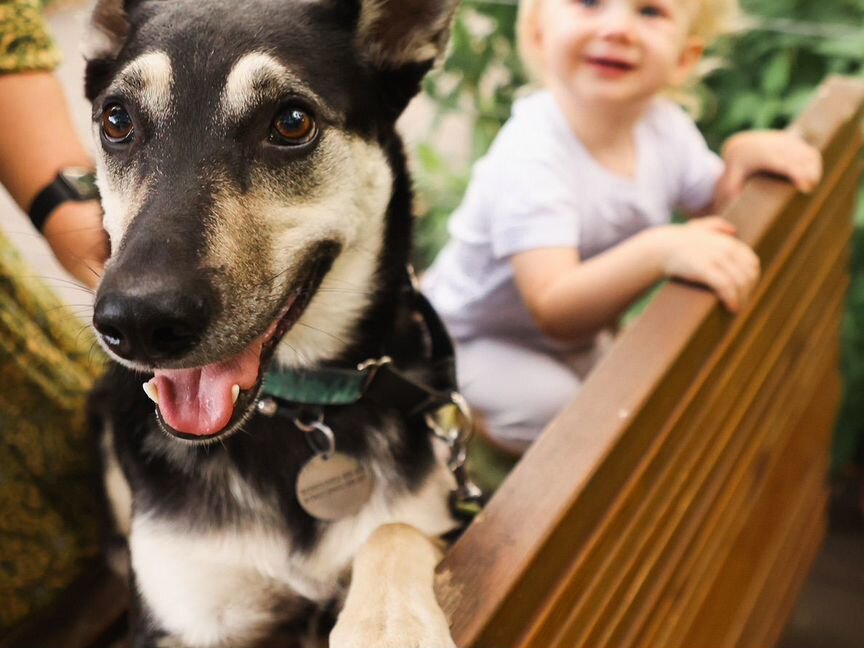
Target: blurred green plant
[(769, 71)]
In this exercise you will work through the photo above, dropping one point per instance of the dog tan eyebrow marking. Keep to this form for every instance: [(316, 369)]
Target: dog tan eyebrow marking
[(148, 79), (259, 77)]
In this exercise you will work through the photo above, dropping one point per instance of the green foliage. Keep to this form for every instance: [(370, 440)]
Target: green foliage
[(768, 76), (768, 73)]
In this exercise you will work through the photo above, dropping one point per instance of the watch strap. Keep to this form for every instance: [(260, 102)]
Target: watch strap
[(51, 197)]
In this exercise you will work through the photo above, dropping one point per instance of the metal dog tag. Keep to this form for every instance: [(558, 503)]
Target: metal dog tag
[(335, 486)]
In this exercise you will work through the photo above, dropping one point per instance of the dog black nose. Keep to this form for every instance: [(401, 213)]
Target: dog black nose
[(152, 327)]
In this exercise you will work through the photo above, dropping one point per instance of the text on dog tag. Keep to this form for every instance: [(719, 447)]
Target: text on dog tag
[(332, 487)]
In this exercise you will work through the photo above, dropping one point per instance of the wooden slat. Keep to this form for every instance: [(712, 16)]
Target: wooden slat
[(769, 620), (699, 452), (702, 487), (706, 566), (498, 576), (676, 582), (817, 313), (651, 520), (767, 598)]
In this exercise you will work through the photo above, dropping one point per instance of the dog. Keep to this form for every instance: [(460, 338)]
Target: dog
[(258, 205)]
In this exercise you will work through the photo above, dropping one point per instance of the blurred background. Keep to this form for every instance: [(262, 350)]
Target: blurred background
[(760, 77)]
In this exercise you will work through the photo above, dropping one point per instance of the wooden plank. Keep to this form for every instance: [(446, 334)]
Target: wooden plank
[(775, 622), (651, 519), (736, 452), (494, 578), (774, 593), (716, 518), (826, 430), (817, 314), (702, 577), (771, 541)]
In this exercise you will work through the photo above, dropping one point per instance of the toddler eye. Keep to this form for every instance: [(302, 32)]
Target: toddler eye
[(589, 3), (117, 125), (652, 11), (293, 126)]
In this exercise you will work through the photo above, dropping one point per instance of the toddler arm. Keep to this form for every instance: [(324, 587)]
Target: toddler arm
[(570, 299)]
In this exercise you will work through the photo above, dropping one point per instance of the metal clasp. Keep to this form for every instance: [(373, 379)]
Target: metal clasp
[(329, 446), (374, 362), (453, 424)]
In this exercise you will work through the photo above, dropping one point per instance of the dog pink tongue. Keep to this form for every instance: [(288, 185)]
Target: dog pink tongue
[(200, 401)]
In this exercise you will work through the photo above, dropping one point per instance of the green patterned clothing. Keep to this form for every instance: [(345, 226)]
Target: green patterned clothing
[(48, 363), (25, 43), (49, 522)]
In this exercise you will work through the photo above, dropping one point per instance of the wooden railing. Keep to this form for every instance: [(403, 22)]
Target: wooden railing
[(679, 500)]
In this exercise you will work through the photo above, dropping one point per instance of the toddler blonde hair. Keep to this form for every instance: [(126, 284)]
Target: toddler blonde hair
[(709, 19)]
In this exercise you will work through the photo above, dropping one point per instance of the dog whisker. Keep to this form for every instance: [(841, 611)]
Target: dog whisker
[(296, 352), (320, 330), (48, 279)]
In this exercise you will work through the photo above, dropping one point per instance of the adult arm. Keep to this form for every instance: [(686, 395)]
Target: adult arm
[(38, 141)]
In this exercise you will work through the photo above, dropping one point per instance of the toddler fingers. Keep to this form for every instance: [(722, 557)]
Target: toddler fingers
[(717, 224), (743, 279), (743, 256), (724, 285), (805, 169)]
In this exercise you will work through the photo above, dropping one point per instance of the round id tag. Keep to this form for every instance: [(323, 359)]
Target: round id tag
[(333, 486)]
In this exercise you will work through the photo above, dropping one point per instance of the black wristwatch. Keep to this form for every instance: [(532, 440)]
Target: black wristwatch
[(70, 184)]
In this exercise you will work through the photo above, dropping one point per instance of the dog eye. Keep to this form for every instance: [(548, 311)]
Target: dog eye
[(293, 127), (117, 126)]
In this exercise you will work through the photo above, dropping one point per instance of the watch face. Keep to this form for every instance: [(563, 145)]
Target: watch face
[(82, 182)]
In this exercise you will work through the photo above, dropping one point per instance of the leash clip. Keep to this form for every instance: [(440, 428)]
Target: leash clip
[(453, 424)]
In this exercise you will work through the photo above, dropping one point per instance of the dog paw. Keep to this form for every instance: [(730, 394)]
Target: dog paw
[(401, 633)]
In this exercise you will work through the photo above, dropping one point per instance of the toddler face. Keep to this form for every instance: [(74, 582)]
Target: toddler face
[(616, 51)]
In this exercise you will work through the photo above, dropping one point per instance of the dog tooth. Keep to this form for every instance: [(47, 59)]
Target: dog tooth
[(235, 393), (151, 391)]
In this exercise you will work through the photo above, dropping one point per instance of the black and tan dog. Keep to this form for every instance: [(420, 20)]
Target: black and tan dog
[(259, 209)]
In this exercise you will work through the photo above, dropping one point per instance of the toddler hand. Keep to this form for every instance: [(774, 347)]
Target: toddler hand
[(779, 152), (705, 251)]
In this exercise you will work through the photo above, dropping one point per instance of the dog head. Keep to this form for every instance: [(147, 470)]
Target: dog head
[(248, 175)]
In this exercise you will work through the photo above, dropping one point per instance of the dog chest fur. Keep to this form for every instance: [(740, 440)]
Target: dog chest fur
[(211, 586)]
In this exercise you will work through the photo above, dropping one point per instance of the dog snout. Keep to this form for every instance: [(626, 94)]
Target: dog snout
[(154, 327)]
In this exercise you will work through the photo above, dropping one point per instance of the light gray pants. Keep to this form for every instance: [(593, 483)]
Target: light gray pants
[(519, 389)]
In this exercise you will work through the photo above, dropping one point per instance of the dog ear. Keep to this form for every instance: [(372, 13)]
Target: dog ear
[(395, 33), (108, 30), (402, 39), (104, 39)]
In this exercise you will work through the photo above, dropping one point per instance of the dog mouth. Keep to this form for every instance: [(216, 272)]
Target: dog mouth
[(207, 402)]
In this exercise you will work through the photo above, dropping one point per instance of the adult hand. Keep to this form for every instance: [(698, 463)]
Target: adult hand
[(74, 232)]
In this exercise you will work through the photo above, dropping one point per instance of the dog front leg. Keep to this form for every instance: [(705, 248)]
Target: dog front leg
[(391, 602)]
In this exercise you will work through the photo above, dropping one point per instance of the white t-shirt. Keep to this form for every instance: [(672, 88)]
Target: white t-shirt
[(539, 187)]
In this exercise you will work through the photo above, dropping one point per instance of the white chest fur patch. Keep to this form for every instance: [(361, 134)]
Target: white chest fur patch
[(222, 588)]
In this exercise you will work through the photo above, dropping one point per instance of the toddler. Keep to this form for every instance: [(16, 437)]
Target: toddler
[(567, 219)]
